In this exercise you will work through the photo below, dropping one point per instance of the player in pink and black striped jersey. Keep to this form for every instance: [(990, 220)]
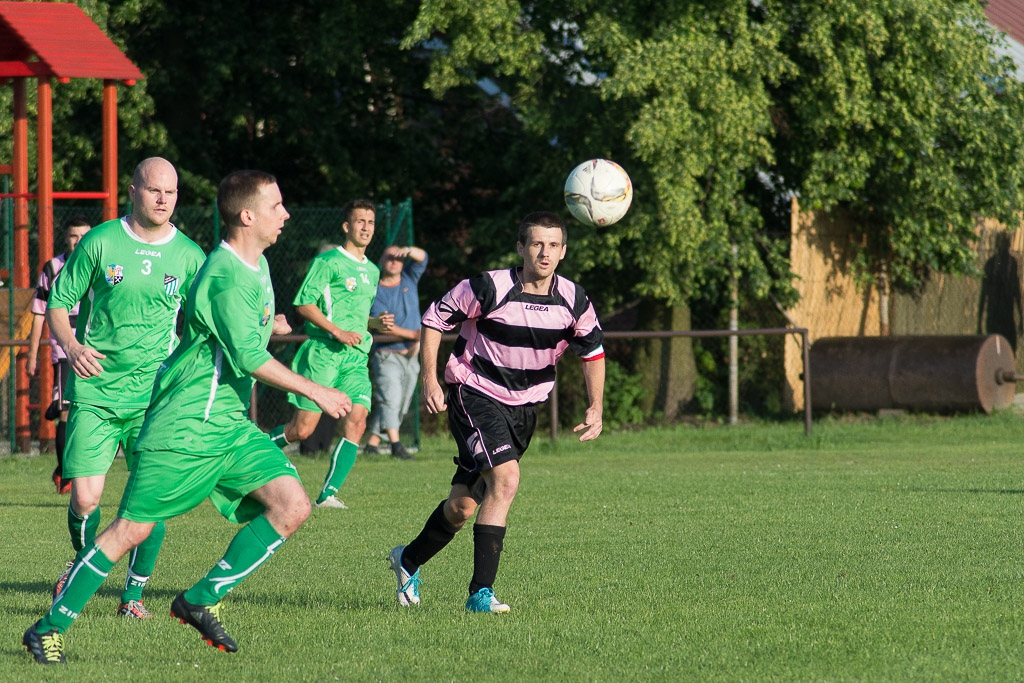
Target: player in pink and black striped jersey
[(515, 325), (74, 229)]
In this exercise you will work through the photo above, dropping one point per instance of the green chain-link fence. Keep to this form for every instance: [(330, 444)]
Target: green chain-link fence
[(306, 233)]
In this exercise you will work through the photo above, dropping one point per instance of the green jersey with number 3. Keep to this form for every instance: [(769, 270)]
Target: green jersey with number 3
[(130, 293), (202, 391), (342, 287)]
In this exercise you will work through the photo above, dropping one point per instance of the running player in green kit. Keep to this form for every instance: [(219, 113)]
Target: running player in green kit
[(197, 441), (131, 276), (335, 300)]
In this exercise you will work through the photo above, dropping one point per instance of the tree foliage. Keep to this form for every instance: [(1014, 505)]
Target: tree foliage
[(674, 90), (314, 91), (322, 95), (896, 109), (900, 111)]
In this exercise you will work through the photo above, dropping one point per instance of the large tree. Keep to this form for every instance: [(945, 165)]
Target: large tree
[(322, 95), (673, 91), (901, 113), (897, 110)]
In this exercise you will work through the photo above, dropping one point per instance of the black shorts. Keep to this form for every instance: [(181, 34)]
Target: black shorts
[(488, 433), (60, 382)]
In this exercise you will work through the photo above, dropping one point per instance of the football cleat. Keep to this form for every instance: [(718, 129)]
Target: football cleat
[(408, 586), (134, 609), (399, 451), (59, 586), (484, 601), (47, 648), (332, 502), (206, 620), (62, 485)]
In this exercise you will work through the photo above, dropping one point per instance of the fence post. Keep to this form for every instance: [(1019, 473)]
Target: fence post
[(807, 382), (8, 228), (734, 316)]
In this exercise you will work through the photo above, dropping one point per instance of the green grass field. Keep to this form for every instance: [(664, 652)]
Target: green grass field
[(872, 550)]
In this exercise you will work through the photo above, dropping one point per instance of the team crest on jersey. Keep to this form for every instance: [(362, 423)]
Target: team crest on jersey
[(266, 314), (350, 284), (115, 274), (170, 284)]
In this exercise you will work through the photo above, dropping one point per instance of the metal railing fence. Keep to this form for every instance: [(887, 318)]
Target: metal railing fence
[(270, 407)]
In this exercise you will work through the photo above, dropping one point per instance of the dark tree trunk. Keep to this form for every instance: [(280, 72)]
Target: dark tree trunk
[(668, 364)]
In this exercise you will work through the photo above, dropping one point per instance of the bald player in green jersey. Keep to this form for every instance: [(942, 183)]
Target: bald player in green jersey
[(197, 441), (335, 300), (130, 276)]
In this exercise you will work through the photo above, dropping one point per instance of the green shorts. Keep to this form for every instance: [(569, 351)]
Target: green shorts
[(93, 435), (164, 484), (334, 365)]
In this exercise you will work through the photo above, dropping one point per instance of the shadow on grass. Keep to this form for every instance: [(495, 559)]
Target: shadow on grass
[(36, 588), (14, 504), (1012, 492)]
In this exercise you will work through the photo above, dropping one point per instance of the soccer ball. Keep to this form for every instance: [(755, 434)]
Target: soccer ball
[(598, 192)]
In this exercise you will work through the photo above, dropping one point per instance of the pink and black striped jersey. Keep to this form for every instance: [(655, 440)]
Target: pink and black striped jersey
[(43, 286), (510, 341)]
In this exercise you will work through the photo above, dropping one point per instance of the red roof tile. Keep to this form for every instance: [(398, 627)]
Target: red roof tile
[(58, 39), (1008, 17)]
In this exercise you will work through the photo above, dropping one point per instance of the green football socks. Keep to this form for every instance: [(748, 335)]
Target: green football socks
[(342, 458), (91, 568), (277, 436), (141, 562), (252, 546), (83, 527)]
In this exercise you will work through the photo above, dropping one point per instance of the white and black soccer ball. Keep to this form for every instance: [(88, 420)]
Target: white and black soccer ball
[(598, 192)]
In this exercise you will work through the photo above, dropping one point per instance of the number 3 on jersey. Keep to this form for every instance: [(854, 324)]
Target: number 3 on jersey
[(147, 267)]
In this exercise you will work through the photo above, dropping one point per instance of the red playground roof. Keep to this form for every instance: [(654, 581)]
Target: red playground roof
[(59, 40)]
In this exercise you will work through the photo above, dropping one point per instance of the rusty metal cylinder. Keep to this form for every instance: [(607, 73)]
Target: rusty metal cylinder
[(940, 374)]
